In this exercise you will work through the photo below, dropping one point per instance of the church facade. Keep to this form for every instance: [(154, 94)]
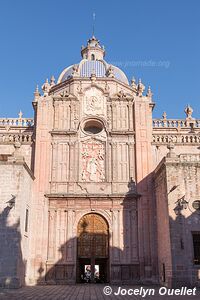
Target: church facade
[(93, 189)]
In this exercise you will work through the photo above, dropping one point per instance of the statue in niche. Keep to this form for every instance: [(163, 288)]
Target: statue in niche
[(93, 160)]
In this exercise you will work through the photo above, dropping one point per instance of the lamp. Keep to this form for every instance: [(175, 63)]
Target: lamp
[(181, 204), (11, 202)]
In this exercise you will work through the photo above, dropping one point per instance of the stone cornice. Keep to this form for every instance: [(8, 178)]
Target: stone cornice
[(11, 160), (61, 85), (121, 132), (182, 159), (97, 197), (63, 132)]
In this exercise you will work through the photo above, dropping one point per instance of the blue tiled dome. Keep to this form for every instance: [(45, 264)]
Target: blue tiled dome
[(93, 63), (88, 67)]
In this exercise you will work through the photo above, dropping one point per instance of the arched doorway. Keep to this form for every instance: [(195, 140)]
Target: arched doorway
[(92, 249)]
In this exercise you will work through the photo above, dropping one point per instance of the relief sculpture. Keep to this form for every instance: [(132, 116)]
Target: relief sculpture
[(94, 102), (92, 161)]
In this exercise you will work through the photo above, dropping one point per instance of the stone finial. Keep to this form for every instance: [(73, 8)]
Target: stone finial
[(46, 87), (149, 93), (140, 88), (36, 93), (20, 114), (164, 115), (52, 81), (133, 83), (189, 111)]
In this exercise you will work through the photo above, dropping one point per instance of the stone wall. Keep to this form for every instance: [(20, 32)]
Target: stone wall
[(163, 228), (177, 186), (15, 199)]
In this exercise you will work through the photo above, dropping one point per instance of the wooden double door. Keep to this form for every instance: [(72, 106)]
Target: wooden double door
[(92, 249)]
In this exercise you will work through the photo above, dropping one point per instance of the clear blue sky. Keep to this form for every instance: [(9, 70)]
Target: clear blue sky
[(41, 37)]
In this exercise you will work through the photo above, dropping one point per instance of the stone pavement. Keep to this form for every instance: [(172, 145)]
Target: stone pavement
[(82, 292)]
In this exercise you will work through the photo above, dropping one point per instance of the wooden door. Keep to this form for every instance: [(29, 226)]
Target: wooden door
[(92, 237)]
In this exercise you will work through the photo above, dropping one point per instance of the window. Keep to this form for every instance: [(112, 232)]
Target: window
[(92, 57), (26, 221), (196, 245), (93, 127)]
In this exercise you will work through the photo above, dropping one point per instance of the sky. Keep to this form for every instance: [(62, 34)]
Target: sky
[(157, 41)]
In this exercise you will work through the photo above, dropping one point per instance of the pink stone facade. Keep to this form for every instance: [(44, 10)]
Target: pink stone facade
[(94, 148)]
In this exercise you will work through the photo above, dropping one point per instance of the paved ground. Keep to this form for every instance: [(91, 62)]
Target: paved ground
[(84, 292)]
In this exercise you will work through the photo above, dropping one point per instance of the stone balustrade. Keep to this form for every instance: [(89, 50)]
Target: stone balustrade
[(178, 138), (10, 138), (189, 158), (174, 123), (19, 122)]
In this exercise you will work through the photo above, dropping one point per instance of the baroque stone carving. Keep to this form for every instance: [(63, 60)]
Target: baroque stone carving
[(93, 161), (94, 102)]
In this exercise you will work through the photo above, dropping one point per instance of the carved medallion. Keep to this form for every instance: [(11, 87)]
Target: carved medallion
[(94, 102)]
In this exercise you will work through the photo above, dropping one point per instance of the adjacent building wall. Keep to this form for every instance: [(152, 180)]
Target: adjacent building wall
[(177, 219), (15, 199)]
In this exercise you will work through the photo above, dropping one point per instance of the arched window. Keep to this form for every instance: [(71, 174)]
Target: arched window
[(92, 57)]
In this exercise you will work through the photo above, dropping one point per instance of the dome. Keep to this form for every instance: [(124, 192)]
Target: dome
[(119, 74), (89, 67), (66, 74), (93, 63)]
